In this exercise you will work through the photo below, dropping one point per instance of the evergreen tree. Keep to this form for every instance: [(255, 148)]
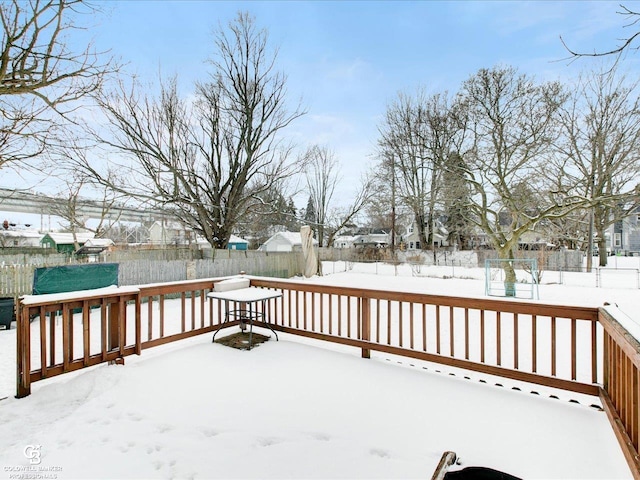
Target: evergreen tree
[(310, 217)]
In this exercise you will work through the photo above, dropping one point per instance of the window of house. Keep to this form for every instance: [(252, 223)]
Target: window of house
[(617, 240), (417, 245), (411, 245)]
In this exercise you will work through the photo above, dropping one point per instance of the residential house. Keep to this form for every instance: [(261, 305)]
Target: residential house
[(623, 237), (19, 238), (237, 243), (411, 238), (95, 246), (65, 242), (284, 242), (168, 232), (372, 240), (344, 241)]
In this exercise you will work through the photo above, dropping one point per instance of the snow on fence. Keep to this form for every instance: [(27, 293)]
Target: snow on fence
[(572, 348)]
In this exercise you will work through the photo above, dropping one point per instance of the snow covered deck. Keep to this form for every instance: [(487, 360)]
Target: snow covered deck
[(296, 409), (325, 411)]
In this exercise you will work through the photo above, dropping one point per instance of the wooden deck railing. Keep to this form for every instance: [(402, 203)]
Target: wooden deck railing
[(620, 392), (59, 343), (112, 324), (573, 348), (551, 345)]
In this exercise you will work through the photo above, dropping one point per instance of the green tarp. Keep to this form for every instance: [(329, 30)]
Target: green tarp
[(74, 277)]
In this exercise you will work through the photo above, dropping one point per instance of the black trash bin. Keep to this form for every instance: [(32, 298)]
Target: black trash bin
[(7, 312)]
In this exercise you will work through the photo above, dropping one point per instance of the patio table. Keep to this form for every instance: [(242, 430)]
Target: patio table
[(249, 298)]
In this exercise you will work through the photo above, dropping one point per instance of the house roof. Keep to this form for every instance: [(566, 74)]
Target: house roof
[(344, 238), (66, 238), (21, 233), (93, 246), (294, 238), (236, 239), (372, 238), (98, 242)]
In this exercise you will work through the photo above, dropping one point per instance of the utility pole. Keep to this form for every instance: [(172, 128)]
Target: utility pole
[(590, 229), (393, 206)]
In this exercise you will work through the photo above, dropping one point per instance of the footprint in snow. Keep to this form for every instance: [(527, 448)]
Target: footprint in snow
[(209, 432), (378, 452)]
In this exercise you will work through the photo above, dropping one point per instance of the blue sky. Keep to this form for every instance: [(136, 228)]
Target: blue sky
[(348, 60)]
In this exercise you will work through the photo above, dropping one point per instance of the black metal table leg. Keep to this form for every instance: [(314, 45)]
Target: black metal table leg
[(226, 319)]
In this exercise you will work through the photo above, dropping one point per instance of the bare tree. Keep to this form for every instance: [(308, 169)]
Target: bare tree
[(276, 211), (600, 150), (322, 175), (403, 135), (41, 79), (513, 124), (382, 211), (342, 217), (382, 208), (418, 135), (208, 160), (632, 19), (72, 209)]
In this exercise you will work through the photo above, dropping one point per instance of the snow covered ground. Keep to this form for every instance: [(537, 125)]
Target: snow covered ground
[(301, 409)]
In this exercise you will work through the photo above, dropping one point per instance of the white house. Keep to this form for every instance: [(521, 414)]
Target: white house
[(94, 246), (376, 240), (20, 238), (284, 242), (167, 232), (344, 241), (411, 238)]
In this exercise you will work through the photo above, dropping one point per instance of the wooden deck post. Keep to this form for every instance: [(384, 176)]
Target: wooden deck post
[(23, 350), (365, 313)]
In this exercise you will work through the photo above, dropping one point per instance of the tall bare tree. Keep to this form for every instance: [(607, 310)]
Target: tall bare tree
[(419, 133), (205, 160), (513, 124), (403, 134), (41, 78), (600, 150), (340, 218), (322, 175)]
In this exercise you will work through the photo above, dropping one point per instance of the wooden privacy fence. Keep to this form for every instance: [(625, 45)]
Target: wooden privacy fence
[(573, 348), (17, 280)]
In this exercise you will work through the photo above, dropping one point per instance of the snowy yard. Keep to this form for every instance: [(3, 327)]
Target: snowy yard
[(303, 409)]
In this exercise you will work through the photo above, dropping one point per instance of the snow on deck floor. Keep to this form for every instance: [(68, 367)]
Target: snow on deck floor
[(289, 409)]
